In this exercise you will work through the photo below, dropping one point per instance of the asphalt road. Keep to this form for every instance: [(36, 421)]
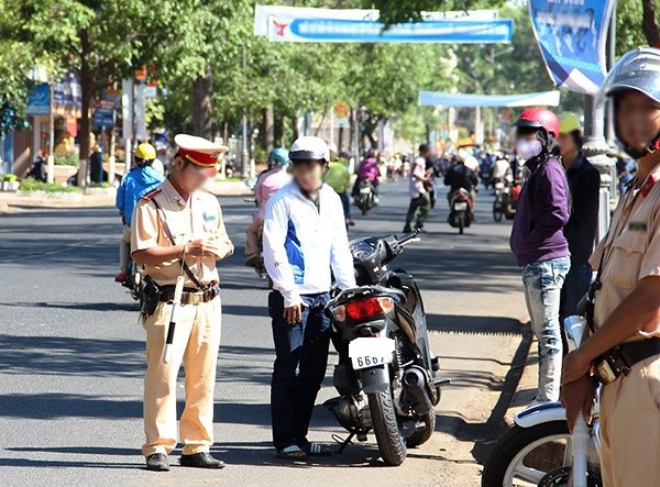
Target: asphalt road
[(71, 356)]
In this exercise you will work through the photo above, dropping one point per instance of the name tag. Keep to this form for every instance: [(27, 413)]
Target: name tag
[(210, 217), (637, 226)]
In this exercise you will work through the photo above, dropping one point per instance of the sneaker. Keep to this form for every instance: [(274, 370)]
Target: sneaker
[(121, 277)]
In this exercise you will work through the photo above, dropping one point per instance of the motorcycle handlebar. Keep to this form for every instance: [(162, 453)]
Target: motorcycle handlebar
[(406, 239)]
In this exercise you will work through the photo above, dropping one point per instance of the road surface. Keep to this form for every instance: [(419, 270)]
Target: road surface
[(71, 357)]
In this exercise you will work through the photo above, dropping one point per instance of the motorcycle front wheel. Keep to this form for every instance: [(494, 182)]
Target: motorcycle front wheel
[(389, 436), (525, 456)]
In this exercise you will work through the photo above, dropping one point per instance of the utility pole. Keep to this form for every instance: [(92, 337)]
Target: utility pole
[(245, 166)]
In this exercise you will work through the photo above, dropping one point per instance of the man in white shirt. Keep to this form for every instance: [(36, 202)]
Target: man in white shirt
[(304, 238), (420, 202)]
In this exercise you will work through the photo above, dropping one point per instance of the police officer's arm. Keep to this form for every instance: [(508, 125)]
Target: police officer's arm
[(276, 225), (636, 311), (551, 190), (341, 260), (144, 239)]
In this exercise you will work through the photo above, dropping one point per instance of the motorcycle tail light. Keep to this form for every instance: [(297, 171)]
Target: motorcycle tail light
[(366, 308)]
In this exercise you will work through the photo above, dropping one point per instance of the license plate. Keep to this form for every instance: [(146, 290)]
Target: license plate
[(365, 190), (460, 206), (370, 352)]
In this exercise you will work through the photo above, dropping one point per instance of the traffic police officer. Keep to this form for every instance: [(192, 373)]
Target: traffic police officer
[(178, 230), (626, 312)]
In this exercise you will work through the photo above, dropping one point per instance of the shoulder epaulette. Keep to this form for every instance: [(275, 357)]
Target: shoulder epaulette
[(149, 195)]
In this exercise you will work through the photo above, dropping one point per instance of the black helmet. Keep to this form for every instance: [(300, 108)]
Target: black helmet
[(637, 70)]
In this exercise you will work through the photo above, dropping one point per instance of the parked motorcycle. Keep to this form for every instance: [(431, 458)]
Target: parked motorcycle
[(539, 450), (387, 378), (365, 198), (460, 212)]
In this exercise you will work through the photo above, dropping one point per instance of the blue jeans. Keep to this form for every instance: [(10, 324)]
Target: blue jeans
[(543, 282), (346, 204), (301, 353)]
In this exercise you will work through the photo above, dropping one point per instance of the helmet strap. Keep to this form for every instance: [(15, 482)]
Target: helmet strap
[(652, 147)]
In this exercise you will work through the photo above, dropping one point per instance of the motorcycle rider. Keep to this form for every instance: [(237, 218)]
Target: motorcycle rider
[(627, 299), (538, 241), (580, 231), (141, 179), (368, 171), (268, 184), (338, 177), (304, 239), (460, 176)]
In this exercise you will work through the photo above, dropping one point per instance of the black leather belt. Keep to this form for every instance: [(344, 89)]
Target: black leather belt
[(619, 360), (635, 352), (192, 295)]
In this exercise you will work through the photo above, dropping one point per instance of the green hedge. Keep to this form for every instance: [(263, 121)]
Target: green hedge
[(34, 185), (66, 160)]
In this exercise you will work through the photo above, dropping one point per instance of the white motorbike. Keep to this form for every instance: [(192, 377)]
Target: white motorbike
[(540, 451)]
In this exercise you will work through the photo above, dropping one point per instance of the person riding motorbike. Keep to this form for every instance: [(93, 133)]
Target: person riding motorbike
[(267, 185), (141, 179), (338, 177), (368, 171), (460, 177)]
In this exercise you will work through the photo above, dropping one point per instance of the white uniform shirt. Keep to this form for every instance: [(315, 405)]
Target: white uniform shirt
[(302, 243)]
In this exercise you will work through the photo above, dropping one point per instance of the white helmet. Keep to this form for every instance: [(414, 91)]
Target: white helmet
[(309, 148)]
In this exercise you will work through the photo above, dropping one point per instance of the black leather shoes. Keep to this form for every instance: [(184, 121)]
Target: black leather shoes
[(158, 462), (201, 460)]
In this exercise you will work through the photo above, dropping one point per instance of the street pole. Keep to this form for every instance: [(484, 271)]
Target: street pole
[(596, 148), (50, 177), (611, 58), (245, 166)]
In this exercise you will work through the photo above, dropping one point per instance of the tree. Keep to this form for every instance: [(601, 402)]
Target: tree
[(650, 22), (101, 41)]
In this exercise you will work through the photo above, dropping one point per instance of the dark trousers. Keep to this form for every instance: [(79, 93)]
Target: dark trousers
[(301, 359), (418, 210), (346, 204), (576, 285)]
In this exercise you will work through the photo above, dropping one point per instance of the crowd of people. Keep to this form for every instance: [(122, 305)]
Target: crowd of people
[(177, 233)]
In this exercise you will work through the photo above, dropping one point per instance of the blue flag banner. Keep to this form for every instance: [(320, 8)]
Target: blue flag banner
[(438, 99), (572, 36), (288, 29)]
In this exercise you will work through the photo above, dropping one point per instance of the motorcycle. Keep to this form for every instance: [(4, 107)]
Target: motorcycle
[(499, 187), (259, 265), (460, 215), (387, 378), (365, 198), (134, 282)]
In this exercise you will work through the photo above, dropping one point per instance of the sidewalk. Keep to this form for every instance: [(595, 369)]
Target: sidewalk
[(95, 197), (527, 385)]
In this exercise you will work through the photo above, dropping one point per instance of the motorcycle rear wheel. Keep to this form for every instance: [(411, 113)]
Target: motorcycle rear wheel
[(388, 432), (506, 467)]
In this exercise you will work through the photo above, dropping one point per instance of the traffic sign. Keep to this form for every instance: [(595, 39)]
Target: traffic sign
[(103, 117)]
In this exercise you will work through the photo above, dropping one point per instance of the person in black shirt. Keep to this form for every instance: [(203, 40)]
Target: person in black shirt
[(580, 231)]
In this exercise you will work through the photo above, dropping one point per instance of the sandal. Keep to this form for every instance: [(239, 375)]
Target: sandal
[(317, 450), (292, 452)]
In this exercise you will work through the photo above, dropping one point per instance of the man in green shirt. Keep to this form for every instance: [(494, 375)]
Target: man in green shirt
[(338, 177)]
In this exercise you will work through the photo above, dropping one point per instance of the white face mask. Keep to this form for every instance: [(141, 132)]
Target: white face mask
[(527, 149)]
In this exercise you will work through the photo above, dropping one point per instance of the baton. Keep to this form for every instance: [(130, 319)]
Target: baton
[(178, 291)]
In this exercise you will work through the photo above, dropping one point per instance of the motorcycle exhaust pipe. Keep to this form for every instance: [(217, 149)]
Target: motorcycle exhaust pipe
[(415, 385)]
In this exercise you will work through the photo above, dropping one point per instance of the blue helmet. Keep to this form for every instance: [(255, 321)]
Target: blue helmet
[(278, 157)]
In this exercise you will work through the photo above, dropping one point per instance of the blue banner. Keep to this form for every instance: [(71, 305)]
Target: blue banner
[(471, 100), (38, 101), (572, 36), (286, 29)]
